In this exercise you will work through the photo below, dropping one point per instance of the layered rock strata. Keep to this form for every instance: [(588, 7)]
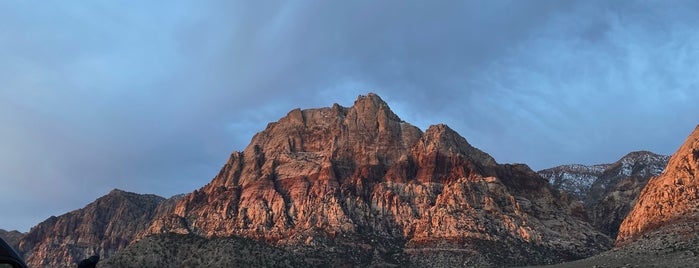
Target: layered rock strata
[(361, 174)]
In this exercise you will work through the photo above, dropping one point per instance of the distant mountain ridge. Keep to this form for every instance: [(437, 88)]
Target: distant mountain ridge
[(574, 179), (608, 191), (103, 227), (614, 194), (357, 186), (662, 228)]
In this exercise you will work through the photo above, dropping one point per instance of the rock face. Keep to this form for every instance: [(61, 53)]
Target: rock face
[(668, 200), (614, 194), (608, 191), (360, 178), (575, 179), (102, 227)]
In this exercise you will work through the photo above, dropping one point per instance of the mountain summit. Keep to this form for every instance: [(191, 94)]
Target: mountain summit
[(363, 184)]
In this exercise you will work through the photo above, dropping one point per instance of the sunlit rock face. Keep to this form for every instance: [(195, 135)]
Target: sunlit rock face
[(669, 199), (361, 174)]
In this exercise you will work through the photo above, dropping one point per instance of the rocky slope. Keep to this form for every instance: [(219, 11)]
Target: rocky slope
[(668, 200), (102, 227), (11, 237), (608, 191), (614, 194), (573, 179), (662, 229), (196, 251), (358, 180)]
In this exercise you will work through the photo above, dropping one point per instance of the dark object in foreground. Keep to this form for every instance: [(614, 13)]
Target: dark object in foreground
[(90, 262), (9, 257)]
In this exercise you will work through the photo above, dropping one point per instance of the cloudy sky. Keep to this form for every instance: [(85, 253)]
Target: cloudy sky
[(152, 97)]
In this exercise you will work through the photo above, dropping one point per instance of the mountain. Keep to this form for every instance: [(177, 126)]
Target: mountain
[(11, 237), (662, 229), (361, 184), (608, 191), (613, 195), (669, 203), (575, 179), (102, 227)]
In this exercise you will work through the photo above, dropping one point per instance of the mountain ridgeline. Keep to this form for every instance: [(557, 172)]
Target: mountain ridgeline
[(361, 182), (103, 227), (608, 191), (357, 186)]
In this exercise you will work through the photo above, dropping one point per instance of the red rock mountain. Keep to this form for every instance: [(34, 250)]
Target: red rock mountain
[(669, 199), (103, 227), (361, 174)]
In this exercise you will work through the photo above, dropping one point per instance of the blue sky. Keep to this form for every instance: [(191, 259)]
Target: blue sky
[(153, 96)]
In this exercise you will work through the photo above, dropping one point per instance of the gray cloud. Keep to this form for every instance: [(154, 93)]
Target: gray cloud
[(152, 97)]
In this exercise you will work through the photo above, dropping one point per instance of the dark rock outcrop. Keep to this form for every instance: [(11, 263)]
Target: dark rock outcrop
[(103, 227), (11, 237)]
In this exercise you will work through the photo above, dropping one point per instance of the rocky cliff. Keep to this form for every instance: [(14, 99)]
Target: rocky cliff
[(102, 227), (670, 200), (360, 179)]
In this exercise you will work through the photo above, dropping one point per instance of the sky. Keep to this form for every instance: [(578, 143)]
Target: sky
[(153, 96)]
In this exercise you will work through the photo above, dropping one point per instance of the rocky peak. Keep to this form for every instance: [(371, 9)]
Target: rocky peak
[(372, 106), (614, 194), (102, 227), (359, 173), (608, 191), (573, 179), (640, 163), (443, 139), (671, 197)]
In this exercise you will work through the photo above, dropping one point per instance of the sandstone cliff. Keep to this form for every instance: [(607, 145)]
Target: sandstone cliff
[(668, 200), (364, 180), (102, 227)]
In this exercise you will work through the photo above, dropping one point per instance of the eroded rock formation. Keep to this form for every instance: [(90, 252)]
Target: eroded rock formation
[(362, 174)]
